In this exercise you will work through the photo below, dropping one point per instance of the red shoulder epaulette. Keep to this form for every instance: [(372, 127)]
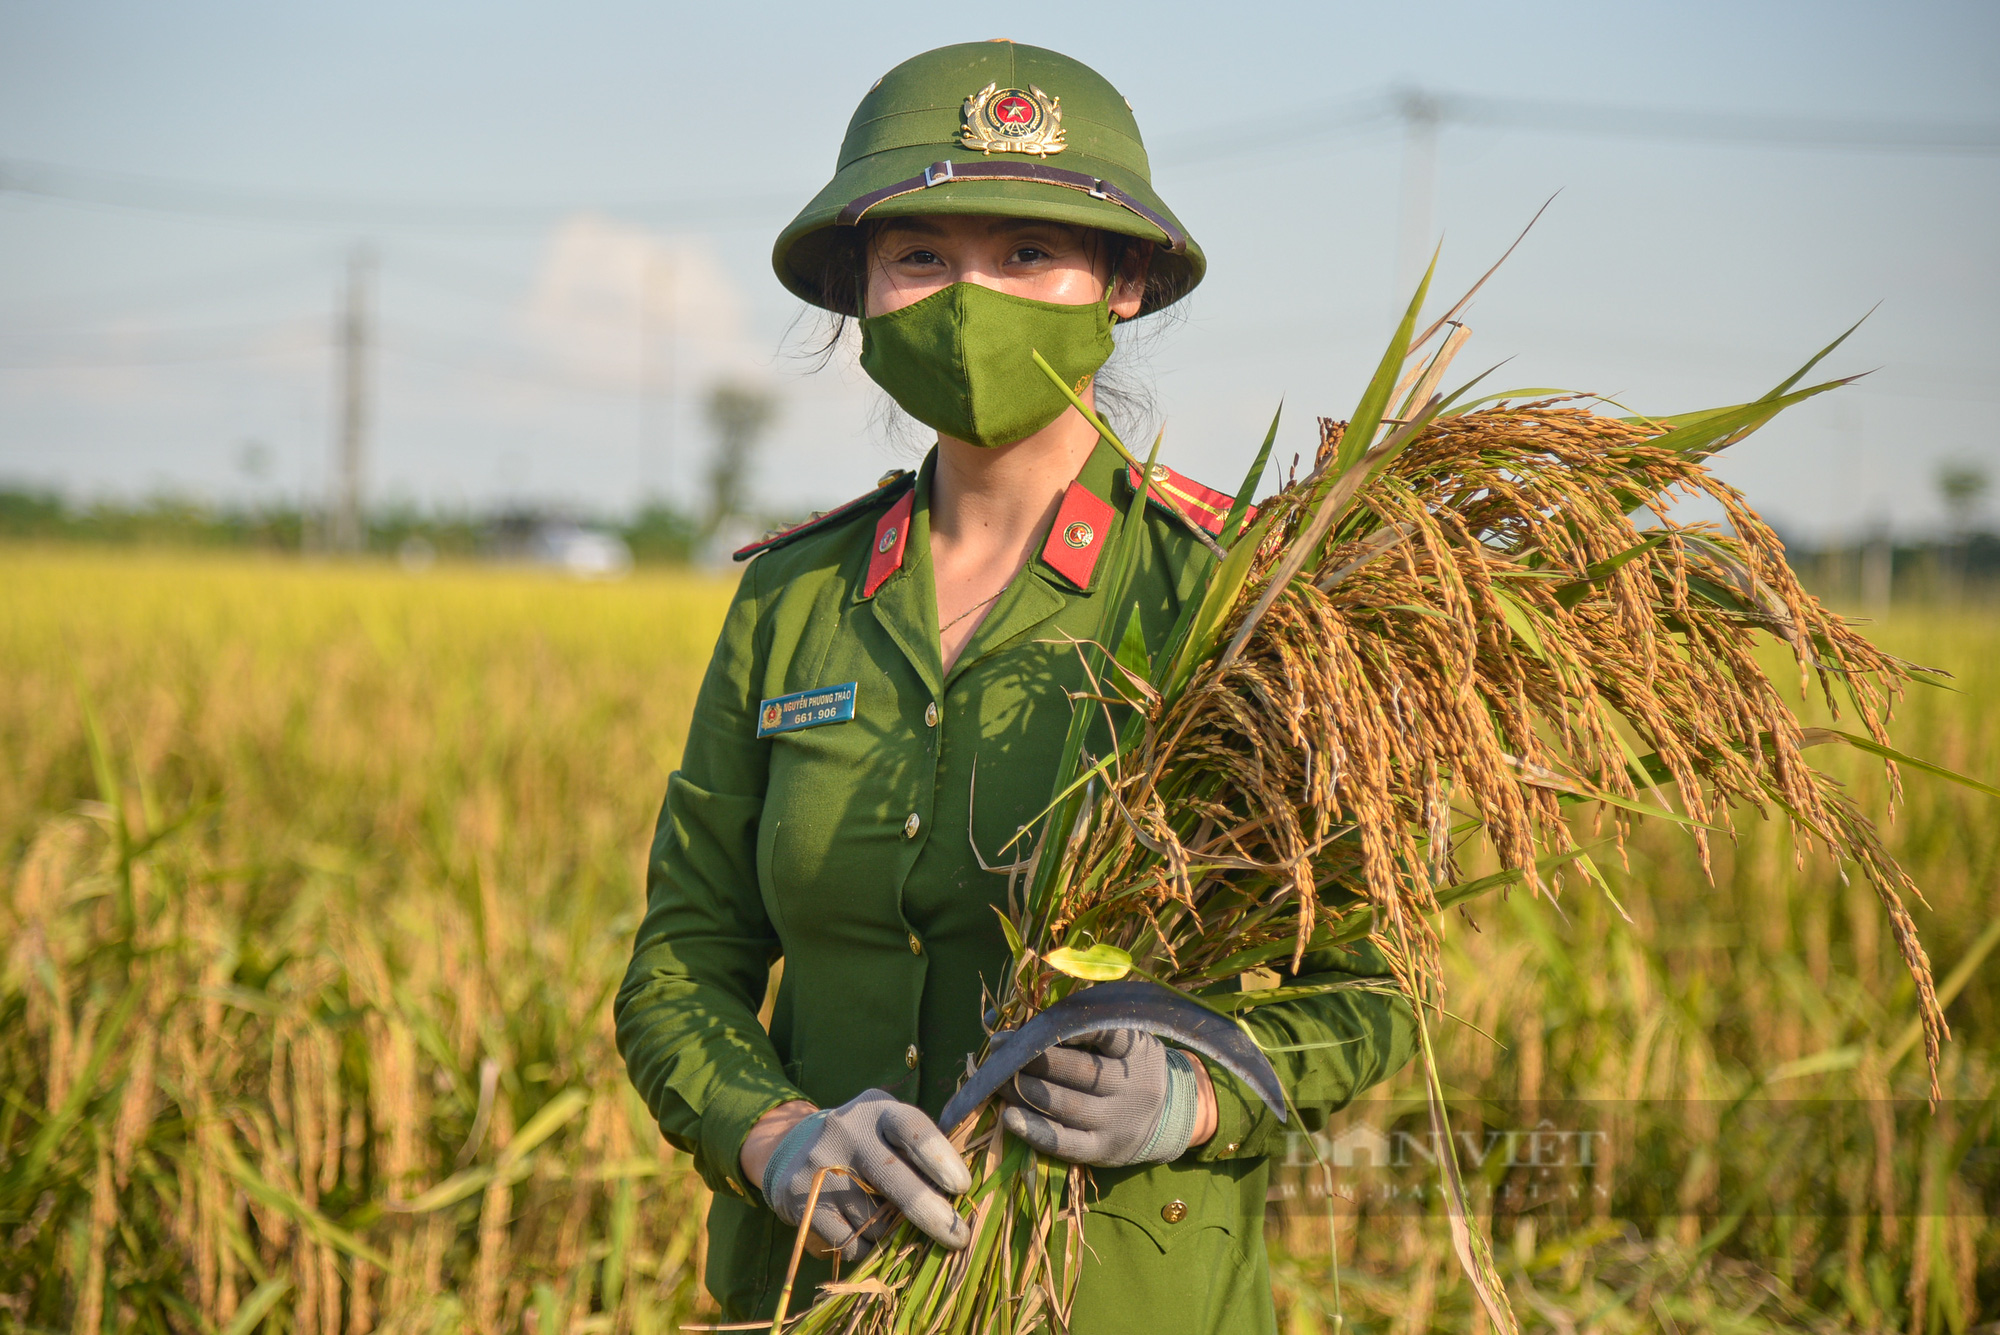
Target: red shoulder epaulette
[(1204, 506), (893, 484)]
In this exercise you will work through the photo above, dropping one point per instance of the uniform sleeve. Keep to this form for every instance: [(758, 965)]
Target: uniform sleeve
[(687, 1012), (1343, 1042)]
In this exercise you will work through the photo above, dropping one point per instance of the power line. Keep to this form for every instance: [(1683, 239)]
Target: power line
[(120, 348), (267, 339), (153, 194), (1853, 134), (1258, 134), (1318, 122), (509, 373), (215, 287), (1413, 107)]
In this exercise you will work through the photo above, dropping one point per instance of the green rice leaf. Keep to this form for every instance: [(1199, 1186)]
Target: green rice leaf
[(1820, 736), (1205, 632), (1452, 408), (1582, 792), (1818, 1063), (548, 1119), (1818, 357), (1071, 782), (1132, 649), (1445, 401), (1521, 623), (512, 1161), (1948, 990), (1708, 591), (1015, 948), (1101, 963), (1475, 1253), (1367, 415), (1459, 306), (286, 1203), (1089, 415), (1307, 1047), (1232, 524), (1705, 433), (1357, 461), (23, 1178), (1588, 866), (459, 1186), (1231, 1002), (1569, 595), (258, 1305), (1358, 924), (1071, 791)]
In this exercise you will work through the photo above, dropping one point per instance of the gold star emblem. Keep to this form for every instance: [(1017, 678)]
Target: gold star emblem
[(1013, 120)]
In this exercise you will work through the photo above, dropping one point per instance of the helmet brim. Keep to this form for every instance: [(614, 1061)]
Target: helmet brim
[(807, 250)]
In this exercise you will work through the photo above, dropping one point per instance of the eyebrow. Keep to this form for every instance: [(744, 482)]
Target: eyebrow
[(920, 226), (999, 225)]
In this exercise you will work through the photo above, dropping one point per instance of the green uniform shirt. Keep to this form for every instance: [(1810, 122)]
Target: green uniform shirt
[(852, 850)]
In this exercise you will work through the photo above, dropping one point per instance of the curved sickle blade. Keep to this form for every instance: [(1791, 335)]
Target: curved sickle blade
[(1130, 1004)]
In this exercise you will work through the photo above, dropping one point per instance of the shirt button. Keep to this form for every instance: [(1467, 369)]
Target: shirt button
[(916, 946), (930, 714), (912, 825), (1231, 1147), (1173, 1211), (910, 1060)]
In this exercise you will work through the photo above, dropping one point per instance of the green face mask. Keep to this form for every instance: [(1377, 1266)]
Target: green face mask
[(958, 360)]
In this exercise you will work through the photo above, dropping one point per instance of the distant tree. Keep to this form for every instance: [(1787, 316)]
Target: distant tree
[(1962, 487), (254, 460), (659, 532), (31, 514), (739, 413)]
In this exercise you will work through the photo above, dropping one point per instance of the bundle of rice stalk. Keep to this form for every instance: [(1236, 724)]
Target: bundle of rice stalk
[(1476, 630)]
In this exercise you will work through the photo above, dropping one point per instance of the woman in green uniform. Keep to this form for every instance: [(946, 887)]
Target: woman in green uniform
[(886, 707)]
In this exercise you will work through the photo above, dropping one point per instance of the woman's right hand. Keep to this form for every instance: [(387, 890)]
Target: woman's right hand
[(898, 1152)]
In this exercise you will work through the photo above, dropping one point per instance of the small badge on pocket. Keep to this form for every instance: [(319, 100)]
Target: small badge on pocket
[(806, 709)]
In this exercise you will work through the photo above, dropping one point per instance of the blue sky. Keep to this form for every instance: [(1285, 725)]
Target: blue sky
[(548, 189)]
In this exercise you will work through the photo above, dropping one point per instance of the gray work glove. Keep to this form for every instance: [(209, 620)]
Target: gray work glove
[(885, 1143), (1110, 1099)]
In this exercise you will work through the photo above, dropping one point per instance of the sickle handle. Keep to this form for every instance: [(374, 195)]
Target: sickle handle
[(1131, 1003)]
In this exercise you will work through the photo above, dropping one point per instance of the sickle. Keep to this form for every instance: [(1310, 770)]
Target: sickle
[(1132, 1003)]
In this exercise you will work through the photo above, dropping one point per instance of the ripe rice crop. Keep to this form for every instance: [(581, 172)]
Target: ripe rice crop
[(306, 962)]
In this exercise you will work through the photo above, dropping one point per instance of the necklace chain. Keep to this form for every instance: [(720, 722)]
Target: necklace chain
[(970, 610)]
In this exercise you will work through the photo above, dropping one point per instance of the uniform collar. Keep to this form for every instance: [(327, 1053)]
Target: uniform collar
[(897, 583), (897, 580)]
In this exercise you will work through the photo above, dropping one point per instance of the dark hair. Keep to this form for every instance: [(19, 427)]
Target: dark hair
[(1124, 399)]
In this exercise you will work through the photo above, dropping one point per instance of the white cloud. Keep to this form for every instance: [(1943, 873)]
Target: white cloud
[(623, 307)]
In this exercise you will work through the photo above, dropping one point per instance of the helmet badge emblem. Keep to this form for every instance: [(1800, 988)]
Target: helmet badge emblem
[(1013, 120)]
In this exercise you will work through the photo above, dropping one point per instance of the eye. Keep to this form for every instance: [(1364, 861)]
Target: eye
[(919, 256), (1029, 254)]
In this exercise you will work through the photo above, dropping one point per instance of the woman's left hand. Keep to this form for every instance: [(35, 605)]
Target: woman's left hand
[(1111, 1099)]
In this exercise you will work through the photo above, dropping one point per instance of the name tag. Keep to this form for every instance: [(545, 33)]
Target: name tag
[(806, 709)]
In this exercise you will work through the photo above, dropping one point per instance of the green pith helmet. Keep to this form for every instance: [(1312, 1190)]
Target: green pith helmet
[(986, 128)]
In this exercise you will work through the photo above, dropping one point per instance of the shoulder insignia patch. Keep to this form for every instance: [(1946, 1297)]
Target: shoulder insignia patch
[(896, 482), (1201, 505), (1079, 536), (892, 537)]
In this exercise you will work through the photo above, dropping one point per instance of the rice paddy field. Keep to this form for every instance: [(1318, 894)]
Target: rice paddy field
[(318, 881)]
